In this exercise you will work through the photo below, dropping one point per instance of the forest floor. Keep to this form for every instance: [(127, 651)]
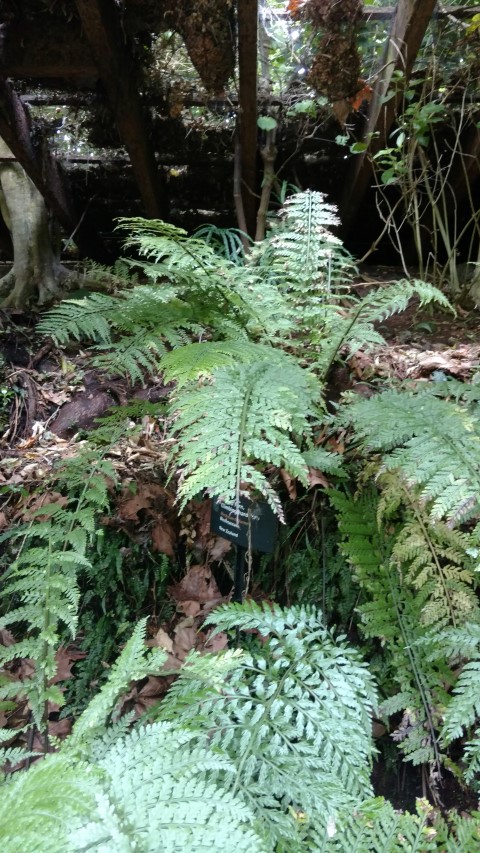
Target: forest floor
[(50, 398)]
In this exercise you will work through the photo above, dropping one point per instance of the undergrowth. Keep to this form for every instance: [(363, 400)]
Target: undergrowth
[(269, 748)]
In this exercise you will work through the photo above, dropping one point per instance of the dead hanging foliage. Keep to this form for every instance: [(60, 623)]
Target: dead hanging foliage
[(335, 70), (207, 29)]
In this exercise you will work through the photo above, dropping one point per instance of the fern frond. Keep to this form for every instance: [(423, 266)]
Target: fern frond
[(183, 810), (189, 363), (376, 827), (226, 242), (37, 807), (429, 556), (246, 414), (354, 330), (433, 442), (133, 664), (392, 612), (266, 722), (87, 318)]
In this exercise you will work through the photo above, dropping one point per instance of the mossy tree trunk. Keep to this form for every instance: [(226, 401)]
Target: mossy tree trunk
[(37, 274)]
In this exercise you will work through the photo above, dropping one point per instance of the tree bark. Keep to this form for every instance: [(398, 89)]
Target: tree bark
[(36, 272)]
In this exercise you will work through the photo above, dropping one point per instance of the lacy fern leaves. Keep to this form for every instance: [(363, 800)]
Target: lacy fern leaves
[(434, 443), (42, 581), (293, 720), (245, 415)]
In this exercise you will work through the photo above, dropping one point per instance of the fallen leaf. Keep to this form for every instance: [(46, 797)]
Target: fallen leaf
[(290, 484), (190, 608), (219, 548), (197, 585), (65, 658), (216, 643), (162, 641), (185, 637), (60, 728), (163, 537), (6, 637), (317, 478)]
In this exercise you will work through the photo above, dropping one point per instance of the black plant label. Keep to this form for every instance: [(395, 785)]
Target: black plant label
[(252, 523)]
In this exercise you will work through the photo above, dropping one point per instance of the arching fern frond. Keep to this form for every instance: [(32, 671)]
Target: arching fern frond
[(246, 414), (273, 715), (434, 443), (355, 329), (391, 611), (192, 361)]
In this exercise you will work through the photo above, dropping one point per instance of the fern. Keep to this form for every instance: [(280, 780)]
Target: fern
[(428, 554), (226, 242), (42, 581), (349, 331), (253, 335), (434, 443), (229, 773), (245, 415), (257, 751), (131, 665), (273, 718), (393, 613), (463, 712)]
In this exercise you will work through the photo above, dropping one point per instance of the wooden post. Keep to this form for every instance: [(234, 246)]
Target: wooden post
[(247, 64), (408, 29)]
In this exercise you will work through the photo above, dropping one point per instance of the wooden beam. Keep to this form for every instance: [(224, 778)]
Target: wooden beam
[(45, 172), (408, 29), (247, 94), (117, 72)]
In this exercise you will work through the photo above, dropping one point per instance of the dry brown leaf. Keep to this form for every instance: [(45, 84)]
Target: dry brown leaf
[(290, 484), (161, 640), (57, 397), (6, 637), (197, 585), (3, 520), (216, 643), (317, 478), (361, 363), (185, 637), (60, 728), (219, 548), (163, 537), (190, 608), (65, 658), (203, 512), (129, 509)]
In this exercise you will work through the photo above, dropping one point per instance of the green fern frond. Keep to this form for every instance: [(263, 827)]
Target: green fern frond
[(354, 330), (38, 807), (464, 709), (376, 827), (189, 363), (302, 251), (429, 556), (266, 722), (226, 242), (87, 318), (184, 810), (433, 442), (392, 612), (132, 665), (246, 414)]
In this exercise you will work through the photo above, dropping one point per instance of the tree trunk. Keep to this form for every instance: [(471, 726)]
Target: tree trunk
[(36, 272)]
